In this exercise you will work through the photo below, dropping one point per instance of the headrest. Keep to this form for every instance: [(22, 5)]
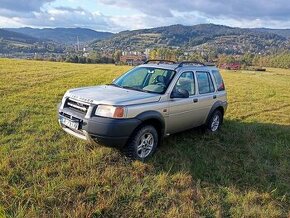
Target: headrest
[(160, 79)]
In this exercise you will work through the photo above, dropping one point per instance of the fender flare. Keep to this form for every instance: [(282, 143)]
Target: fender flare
[(214, 107), (148, 115)]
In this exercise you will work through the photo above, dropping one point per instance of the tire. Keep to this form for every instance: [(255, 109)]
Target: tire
[(142, 143), (215, 121)]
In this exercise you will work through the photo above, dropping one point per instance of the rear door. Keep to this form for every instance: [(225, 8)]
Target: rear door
[(206, 94)]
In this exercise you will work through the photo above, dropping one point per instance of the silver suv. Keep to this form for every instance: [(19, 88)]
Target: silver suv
[(149, 102)]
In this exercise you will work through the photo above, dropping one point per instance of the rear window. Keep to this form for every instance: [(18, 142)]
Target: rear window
[(218, 80), (205, 84)]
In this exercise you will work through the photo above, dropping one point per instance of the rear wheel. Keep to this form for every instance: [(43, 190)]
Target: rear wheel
[(215, 121), (142, 143)]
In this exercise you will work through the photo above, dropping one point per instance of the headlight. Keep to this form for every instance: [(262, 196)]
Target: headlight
[(110, 111)]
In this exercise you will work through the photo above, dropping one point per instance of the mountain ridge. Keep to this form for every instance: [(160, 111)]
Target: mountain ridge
[(62, 35), (211, 37), (219, 39), (10, 35)]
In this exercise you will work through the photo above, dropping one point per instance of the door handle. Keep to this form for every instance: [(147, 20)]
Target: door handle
[(195, 100), (214, 97)]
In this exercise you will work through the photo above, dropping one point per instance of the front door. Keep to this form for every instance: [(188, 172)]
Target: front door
[(182, 111)]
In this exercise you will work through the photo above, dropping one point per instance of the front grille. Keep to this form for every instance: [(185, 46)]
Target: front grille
[(76, 105)]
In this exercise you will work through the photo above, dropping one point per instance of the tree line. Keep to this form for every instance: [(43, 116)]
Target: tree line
[(280, 60), (91, 58)]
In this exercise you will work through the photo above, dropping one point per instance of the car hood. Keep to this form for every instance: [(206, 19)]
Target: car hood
[(111, 95)]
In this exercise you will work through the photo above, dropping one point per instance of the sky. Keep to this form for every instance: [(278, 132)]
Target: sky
[(120, 15)]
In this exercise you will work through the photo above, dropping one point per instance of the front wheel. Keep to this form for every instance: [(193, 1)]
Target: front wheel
[(215, 121), (142, 143)]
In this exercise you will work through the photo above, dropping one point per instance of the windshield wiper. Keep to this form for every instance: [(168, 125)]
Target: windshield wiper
[(113, 84), (132, 88), (137, 89), (125, 87)]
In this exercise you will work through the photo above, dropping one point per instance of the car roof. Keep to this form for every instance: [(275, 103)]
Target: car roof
[(162, 66), (178, 68)]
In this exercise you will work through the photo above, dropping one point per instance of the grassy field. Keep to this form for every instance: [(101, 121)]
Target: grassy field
[(244, 171)]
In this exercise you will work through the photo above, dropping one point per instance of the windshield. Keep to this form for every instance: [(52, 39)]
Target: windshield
[(146, 79)]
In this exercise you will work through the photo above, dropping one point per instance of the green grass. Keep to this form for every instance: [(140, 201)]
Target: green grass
[(243, 171)]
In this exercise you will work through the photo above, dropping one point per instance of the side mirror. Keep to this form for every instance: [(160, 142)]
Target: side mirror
[(179, 93)]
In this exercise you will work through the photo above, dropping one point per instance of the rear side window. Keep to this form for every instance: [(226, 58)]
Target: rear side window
[(218, 80), (205, 84)]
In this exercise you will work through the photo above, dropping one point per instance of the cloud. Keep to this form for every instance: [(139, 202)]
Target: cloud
[(247, 9), (141, 21), (63, 16), (23, 5), (67, 17), (40, 13), (143, 14)]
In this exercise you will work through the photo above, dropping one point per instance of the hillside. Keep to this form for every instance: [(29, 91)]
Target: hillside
[(282, 32), (63, 35), (209, 38), (11, 42), (222, 39), (242, 171), (17, 37)]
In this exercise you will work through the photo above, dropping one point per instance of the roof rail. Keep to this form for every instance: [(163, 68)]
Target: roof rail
[(210, 64), (180, 64), (160, 61)]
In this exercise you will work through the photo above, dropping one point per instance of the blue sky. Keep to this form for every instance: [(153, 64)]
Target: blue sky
[(119, 15)]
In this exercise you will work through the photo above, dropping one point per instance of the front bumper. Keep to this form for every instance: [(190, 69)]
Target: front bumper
[(101, 130)]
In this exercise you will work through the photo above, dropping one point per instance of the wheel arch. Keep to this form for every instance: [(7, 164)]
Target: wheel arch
[(153, 118), (219, 105)]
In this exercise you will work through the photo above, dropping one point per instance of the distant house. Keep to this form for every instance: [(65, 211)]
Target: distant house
[(231, 66), (133, 59)]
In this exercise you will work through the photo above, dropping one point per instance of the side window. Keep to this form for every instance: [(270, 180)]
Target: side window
[(186, 81), (218, 80), (205, 84)]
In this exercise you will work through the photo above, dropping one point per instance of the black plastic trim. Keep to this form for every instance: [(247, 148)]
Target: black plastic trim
[(114, 132), (160, 61), (215, 106), (109, 131), (151, 115)]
